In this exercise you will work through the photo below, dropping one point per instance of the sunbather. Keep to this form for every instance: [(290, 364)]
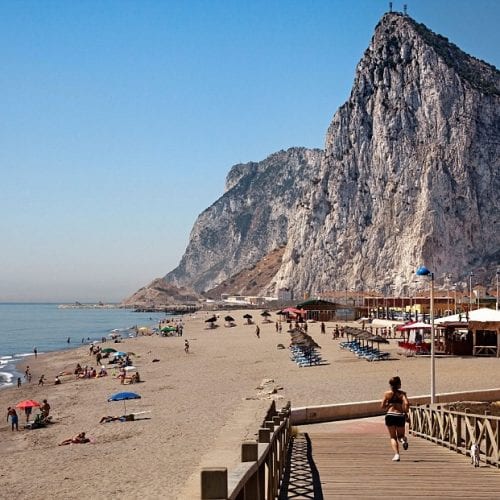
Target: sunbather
[(112, 418), (78, 439)]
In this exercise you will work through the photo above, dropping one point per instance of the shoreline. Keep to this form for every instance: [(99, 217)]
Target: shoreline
[(199, 406)]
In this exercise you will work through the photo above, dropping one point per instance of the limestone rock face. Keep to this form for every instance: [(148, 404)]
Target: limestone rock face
[(411, 171), (249, 221), (410, 176)]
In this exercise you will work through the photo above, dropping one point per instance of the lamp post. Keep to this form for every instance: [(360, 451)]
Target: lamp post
[(498, 274), (447, 278), (470, 290), (423, 271)]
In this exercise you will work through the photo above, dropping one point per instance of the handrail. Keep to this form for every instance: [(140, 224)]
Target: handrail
[(259, 475), (458, 430)]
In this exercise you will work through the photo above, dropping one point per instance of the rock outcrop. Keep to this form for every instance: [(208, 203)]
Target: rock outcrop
[(410, 175), (411, 172), (159, 293), (250, 220)]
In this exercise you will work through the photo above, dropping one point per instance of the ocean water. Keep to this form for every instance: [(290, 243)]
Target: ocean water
[(47, 327)]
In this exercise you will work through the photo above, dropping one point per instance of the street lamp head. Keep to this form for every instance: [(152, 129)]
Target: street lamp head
[(423, 271)]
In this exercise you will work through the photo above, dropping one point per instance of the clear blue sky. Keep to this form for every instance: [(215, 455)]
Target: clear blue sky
[(120, 120)]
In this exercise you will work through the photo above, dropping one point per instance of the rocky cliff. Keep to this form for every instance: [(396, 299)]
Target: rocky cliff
[(410, 175), (250, 220)]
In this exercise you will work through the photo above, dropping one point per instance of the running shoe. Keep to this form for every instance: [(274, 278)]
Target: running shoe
[(395, 458), (405, 443)]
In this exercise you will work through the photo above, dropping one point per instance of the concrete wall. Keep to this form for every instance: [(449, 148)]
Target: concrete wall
[(360, 409)]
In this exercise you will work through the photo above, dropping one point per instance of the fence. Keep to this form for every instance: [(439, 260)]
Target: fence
[(259, 475), (458, 430)]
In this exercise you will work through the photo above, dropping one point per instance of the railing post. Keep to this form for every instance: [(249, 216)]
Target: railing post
[(264, 437), (214, 483), (276, 456), (459, 433), (250, 453), (270, 462)]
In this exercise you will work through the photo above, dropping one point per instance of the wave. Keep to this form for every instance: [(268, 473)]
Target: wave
[(6, 378)]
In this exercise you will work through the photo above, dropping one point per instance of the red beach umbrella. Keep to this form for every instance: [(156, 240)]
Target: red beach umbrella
[(28, 403)]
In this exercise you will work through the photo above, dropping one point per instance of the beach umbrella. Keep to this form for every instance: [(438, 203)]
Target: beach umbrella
[(108, 349), (213, 319), (378, 339), (248, 317), (416, 326), (124, 396), (168, 329), (228, 318), (119, 354), (28, 403), (265, 314)]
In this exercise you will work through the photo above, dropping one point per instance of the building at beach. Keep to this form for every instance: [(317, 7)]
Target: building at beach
[(323, 310)]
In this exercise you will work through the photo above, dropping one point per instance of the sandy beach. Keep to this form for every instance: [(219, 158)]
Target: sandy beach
[(199, 407)]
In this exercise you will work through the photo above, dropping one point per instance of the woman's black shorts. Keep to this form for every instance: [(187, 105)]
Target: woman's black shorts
[(395, 420)]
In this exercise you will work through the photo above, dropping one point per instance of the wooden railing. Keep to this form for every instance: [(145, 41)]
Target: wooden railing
[(263, 461), (458, 430)]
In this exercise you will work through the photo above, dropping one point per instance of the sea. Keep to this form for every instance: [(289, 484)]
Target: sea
[(49, 327)]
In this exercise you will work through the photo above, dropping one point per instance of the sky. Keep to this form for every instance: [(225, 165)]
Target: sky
[(119, 120)]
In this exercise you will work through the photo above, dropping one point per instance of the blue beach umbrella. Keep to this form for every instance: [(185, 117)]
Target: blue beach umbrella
[(123, 396), (119, 354)]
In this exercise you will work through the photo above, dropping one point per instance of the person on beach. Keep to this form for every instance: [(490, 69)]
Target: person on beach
[(257, 331), (27, 372), (18, 381), (27, 412), (69, 340), (35, 352), (45, 409), (57, 380), (78, 439), (323, 329), (41, 380), (14, 419), (186, 346), (396, 404)]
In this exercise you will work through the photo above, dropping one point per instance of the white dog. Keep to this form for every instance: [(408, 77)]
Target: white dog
[(474, 455)]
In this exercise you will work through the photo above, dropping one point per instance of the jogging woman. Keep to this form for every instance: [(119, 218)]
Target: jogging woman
[(396, 404)]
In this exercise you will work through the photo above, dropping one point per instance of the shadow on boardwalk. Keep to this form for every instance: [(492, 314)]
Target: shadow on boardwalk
[(301, 478)]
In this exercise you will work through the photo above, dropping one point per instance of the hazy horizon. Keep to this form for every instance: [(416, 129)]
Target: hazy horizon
[(122, 120)]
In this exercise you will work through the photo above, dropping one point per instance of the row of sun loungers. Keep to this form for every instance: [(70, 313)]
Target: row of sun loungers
[(369, 353), (305, 355)]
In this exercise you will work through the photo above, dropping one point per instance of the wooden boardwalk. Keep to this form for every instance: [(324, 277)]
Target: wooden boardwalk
[(353, 460)]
